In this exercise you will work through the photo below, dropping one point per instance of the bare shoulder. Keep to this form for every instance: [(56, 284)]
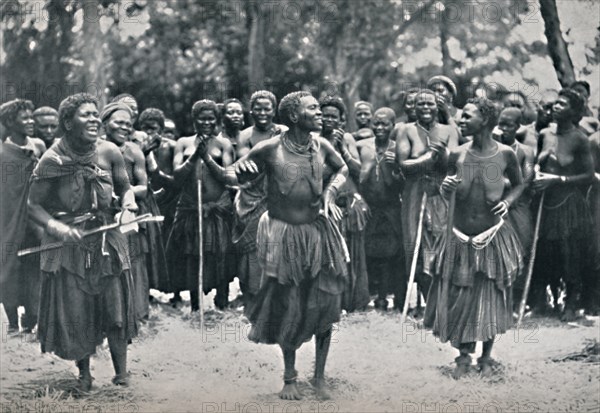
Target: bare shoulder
[(135, 150), (223, 142), (107, 147), (39, 145), (245, 135), (186, 141)]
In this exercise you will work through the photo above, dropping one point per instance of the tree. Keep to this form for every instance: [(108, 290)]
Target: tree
[(557, 47)]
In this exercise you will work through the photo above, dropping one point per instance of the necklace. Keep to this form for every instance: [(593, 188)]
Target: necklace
[(379, 158), (427, 131), (306, 150)]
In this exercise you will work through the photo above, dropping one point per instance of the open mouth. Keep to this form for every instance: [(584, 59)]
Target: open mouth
[(92, 130)]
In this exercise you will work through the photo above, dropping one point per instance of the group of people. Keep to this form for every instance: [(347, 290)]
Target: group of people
[(310, 218)]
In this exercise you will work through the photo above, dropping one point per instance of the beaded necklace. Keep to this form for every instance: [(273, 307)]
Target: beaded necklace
[(307, 150)]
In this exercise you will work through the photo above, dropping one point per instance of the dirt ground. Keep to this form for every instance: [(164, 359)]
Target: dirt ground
[(375, 365)]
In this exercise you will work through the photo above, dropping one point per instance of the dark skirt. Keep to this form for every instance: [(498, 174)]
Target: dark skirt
[(156, 260), (183, 246), (138, 250), (303, 278), (356, 294), (479, 302), (434, 222), (244, 242), (73, 322), (564, 244)]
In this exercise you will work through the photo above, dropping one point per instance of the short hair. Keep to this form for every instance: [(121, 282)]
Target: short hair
[(68, 107), (231, 100), (582, 83), (290, 104), (202, 105), (518, 113), (487, 108), (151, 114), (388, 112), (10, 109), (363, 103), (263, 94), (123, 96), (45, 111), (335, 101), (446, 81), (426, 92), (576, 101)]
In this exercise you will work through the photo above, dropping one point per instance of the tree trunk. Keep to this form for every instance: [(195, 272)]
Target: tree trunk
[(93, 52), (446, 60), (557, 47), (256, 48)]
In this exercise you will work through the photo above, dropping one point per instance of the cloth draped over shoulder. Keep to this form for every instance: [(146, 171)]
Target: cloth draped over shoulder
[(16, 166), (77, 258)]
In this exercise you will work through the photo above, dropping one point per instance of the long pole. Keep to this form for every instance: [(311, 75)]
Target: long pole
[(200, 243), (415, 257), (531, 262), (443, 302)]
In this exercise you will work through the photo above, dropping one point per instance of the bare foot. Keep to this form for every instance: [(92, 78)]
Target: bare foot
[(290, 392), (320, 389)]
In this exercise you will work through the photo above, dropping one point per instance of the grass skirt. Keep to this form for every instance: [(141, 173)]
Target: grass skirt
[(303, 278), (479, 302)]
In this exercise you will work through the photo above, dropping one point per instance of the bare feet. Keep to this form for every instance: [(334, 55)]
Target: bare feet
[(320, 388), (463, 365), (290, 392), (121, 380)]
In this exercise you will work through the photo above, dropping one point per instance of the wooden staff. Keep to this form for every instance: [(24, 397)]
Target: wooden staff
[(121, 225), (415, 257), (536, 235), (200, 243), (443, 312)]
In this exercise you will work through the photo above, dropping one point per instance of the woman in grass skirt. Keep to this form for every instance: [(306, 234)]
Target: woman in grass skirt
[(483, 256)]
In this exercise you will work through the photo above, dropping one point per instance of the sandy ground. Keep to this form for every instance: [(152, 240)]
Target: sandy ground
[(375, 365)]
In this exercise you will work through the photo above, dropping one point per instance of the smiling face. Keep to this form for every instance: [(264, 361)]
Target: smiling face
[(46, 127), (382, 126), (363, 116), (206, 122), (471, 121), (85, 124), (425, 108), (544, 109), (309, 115), (23, 123), (262, 113), (119, 127)]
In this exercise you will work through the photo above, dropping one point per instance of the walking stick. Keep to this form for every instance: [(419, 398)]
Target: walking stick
[(536, 234), (415, 257), (200, 243), (443, 312)]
